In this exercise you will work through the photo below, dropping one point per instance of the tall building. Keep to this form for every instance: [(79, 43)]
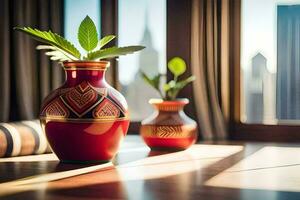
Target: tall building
[(255, 109), (139, 93), (260, 92)]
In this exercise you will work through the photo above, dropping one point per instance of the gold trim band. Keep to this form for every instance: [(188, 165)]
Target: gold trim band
[(86, 65), (169, 131), (85, 68), (83, 120)]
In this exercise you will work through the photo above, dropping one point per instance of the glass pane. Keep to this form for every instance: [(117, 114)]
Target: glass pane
[(270, 61), (75, 12), (141, 22)]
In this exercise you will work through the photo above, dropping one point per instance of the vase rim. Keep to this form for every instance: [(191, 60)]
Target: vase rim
[(82, 64), (178, 101)]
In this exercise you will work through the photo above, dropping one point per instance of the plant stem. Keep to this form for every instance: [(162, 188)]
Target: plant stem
[(175, 78)]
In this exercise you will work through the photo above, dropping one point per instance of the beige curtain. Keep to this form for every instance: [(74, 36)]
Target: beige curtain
[(210, 54), (26, 75)]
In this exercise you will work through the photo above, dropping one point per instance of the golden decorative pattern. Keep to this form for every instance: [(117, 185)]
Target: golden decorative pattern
[(56, 109), (169, 108), (107, 110), (81, 99), (52, 95), (83, 102), (169, 131)]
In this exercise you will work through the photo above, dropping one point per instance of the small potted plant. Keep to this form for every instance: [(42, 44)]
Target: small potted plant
[(169, 127), (85, 119)]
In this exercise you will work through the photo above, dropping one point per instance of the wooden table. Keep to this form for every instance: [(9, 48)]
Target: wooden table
[(205, 171)]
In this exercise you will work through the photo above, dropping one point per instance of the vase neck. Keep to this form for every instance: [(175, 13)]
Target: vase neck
[(169, 106), (75, 77), (89, 71)]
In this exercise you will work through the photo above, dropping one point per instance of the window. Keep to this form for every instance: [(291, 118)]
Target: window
[(141, 22), (270, 61)]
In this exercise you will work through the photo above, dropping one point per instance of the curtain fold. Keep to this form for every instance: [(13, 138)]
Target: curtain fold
[(109, 26), (288, 62), (210, 54), (27, 75), (4, 61)]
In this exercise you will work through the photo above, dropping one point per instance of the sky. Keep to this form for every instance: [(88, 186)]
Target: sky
[(75, 12), (259, 30)]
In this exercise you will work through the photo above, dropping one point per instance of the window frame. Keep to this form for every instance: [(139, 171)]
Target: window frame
[(238, 129)]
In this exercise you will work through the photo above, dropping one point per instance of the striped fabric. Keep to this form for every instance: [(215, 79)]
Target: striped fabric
[(22, 138)]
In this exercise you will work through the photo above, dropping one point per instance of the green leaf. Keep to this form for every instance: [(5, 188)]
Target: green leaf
[(166, 87), (173, 88), (55, 53), (105, 40), (87, 34), (169, 86), (113, 52), (147, 79), (154, 82), (181, 84), (52, 39), (177, 66)]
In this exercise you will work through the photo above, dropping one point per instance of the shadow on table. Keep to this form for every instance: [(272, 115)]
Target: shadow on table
[(138, 174)]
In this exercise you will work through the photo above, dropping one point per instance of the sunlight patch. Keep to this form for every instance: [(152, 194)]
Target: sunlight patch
[(271, 168)]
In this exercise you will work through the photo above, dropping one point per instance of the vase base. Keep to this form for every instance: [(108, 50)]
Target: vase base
[(169, 149), (83, 162)]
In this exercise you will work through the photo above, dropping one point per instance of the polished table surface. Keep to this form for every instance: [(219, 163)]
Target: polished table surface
[(223, 170)]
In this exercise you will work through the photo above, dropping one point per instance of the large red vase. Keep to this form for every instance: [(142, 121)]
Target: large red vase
[(86, 119), (169, 128)]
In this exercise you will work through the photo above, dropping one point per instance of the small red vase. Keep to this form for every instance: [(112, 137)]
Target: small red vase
[(169, 128), (85, 119)]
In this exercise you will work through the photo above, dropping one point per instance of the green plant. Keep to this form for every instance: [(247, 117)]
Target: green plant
[(60, 49), (170, 90)]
